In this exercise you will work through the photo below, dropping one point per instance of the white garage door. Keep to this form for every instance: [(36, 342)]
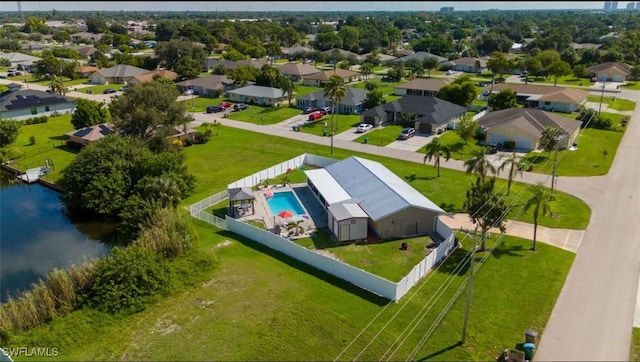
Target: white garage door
[(523, 143), (498, 138)]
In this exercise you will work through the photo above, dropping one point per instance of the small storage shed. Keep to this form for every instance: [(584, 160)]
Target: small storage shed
[(348, 222), (244, 196)]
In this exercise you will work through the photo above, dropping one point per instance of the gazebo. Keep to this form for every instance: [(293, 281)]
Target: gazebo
[(243, 196)]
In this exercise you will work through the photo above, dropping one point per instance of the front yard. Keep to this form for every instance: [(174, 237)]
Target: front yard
[(341, 123), (264, 115)]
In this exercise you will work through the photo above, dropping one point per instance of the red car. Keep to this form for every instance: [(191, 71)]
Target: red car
[(225, 104), (315, 116)]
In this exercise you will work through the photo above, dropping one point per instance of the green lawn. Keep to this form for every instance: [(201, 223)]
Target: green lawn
[(635, 345), (199, 104), (305, 89), (459, 150), (341, 123), (381, 136), (98, 89), (255, 304), (264, 115), (587, 160), (387, 88), (633, 85), (50, 143), (614, 102)]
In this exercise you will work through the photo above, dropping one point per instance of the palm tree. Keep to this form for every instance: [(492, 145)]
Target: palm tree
[(366, 69), (435, 149), (336, 91), (57, 86), (539, 200), (296, 227), (287, 86), (513, 162), (479, 164)]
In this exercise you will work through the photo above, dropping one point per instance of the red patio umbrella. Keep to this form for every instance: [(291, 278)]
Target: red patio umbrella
[(285, 214)]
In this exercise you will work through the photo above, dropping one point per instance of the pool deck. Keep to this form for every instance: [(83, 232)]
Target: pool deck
[(274, 223)]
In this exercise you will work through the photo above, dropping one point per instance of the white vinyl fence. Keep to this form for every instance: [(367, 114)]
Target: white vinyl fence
[(353, 275)]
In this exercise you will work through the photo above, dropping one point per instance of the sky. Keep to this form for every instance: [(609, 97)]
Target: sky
[(240, 6)]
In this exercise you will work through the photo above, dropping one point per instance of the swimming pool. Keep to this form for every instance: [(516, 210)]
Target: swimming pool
[(286, 200)]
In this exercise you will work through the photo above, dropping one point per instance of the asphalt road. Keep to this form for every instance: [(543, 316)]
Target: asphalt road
[(594, 314)]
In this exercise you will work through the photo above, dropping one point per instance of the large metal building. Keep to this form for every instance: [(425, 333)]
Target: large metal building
[(393, 207)]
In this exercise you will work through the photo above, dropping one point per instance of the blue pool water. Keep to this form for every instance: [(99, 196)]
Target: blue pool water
[(282, 201)]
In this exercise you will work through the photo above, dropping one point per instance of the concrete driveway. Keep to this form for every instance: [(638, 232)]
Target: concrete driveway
[(412, 144)]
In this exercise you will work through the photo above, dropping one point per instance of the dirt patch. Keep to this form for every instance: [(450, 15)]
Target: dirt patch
[(164, 326), (328, 254), (224, 243)]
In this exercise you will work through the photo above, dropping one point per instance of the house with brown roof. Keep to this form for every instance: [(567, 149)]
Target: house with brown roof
[(210, 86), (298, 71), (85, 35), (548, 98), (467, 65), (118, 74), (85, 71), (427, 87), (149, 76), (524, 127), (610, 72), (321, 78), (85, 52), (89, 135)]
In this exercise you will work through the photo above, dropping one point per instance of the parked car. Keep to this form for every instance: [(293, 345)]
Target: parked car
[(315, 116), (188, 92), (407, 133), (325, 110), (240, 106), (108, 91), (225, 105), (309, 110), (364, 127), (215, 109)]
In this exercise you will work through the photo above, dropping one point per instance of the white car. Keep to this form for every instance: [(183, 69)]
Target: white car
[(364, 127)]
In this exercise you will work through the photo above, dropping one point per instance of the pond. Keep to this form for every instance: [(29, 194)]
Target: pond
[(35, 235)]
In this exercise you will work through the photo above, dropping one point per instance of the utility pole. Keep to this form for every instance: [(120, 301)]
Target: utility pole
[(470, 283), (601, 96), (333, 111), (555, 161)]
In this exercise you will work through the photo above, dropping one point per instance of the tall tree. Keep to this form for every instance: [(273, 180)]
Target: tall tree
[(89, 113), (513, 163), (9, 131), (336, 91), (287, 86), (485, 208), (539, 201), (57, 86), (558, 69), (504, 99), (148, 108), (498, 63), (435, 150), (461, 91), (366, 69), (466, 129), (479, 164), (429, 64)]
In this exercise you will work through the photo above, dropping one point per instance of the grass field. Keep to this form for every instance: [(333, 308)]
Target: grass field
[(381, 136), (238, 300), (614, 102), (264, 115), (199, 104), (257, 304)]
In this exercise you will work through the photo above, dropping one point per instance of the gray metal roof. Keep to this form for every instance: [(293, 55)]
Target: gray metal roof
[(381, 192), (353, 96), (259, 91), (347, 211)]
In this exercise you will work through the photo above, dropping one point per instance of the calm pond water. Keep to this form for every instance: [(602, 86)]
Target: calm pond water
[(36, 237)]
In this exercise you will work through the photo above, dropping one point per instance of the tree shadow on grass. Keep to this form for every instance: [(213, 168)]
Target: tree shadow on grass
[(509, 250), (435, 354), (413, 177), (59, 138), (342, 284)]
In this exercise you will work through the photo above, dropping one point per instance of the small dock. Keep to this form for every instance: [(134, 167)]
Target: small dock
[(33, 174)]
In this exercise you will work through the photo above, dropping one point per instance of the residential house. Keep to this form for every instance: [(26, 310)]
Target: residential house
[(579, 46), (89, 135), (421, 56), (118, 74), (211, 63), (20, 60), (76, 37), (383, 58), (352, 103), (149, 76), (345, 54), (467, 65), (610, 72), (555, 99), (524, 127), (425, 114), (29, 103), (85, 52), (298, 71), (356, 188), (254, 94), (210, 86), (288, 53), (426, 87), (85, 71), (321, 78)]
